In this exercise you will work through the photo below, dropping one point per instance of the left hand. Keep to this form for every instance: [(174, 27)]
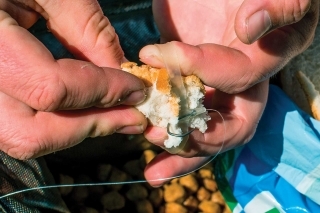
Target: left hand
[(48, 104)]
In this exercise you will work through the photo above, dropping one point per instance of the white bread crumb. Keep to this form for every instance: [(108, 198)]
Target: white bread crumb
[(161, 106), (156, 110)]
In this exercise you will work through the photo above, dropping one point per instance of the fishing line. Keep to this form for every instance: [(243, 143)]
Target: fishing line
[(210, 159)]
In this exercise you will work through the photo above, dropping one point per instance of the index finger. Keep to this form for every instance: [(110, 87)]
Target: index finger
[(28, 72), (165, 167), (82, 27)]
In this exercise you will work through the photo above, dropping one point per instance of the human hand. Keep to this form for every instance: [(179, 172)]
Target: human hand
[(218, 34), (218, 53), (48, 104), (234, 126)]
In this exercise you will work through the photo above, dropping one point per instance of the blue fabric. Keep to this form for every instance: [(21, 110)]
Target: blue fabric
[(279, 169)]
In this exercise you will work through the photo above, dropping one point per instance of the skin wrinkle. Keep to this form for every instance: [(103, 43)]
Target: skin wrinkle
[(34, 92), (300, 13), (47, 142), (95, 132), (104, 37), (20, 151), (29, 145), (93, 22), (112, 36), (297, 15), (244, 82), (48, 95)]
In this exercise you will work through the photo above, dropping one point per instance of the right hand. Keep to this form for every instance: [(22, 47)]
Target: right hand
[(47, 104), (229, 52), (237, 43)]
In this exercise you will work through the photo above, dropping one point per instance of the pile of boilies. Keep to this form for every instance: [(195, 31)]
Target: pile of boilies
[(195, 192)]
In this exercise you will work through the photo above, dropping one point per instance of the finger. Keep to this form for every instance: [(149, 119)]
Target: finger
[(158, 135), (165, 167), (31, 134), (234, 123), (25, 15), (212, 63), (237, 67), (222, 127), (84, 30), (256, 19), (29, 73)]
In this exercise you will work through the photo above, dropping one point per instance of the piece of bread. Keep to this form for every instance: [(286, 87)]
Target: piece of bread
[(162, 105), (300, 78)]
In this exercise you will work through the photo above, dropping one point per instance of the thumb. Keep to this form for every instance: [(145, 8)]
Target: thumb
[(256, 18), (207, 61), (84, 30)]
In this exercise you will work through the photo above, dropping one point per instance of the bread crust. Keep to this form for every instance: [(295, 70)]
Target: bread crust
[(154, 77), (159, 76), (162, 106), (150, 76)]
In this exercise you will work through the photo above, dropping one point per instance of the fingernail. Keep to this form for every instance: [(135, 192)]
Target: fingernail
[(131, 129), (151, 54), (134, 98), (257, 25)]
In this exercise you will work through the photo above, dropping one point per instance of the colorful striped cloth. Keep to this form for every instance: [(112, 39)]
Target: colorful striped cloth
[(279, 169)]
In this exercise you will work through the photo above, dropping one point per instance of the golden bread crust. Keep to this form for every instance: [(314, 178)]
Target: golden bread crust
[(150, 76), (159, 77), (163, 104), (193, 80)]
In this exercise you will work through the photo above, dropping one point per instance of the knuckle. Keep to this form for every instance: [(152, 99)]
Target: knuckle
[(239, 85), (106, 33), (107, 102), (98, 132), (296, 10), (21, 148), (47, 95), (104, 36)]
